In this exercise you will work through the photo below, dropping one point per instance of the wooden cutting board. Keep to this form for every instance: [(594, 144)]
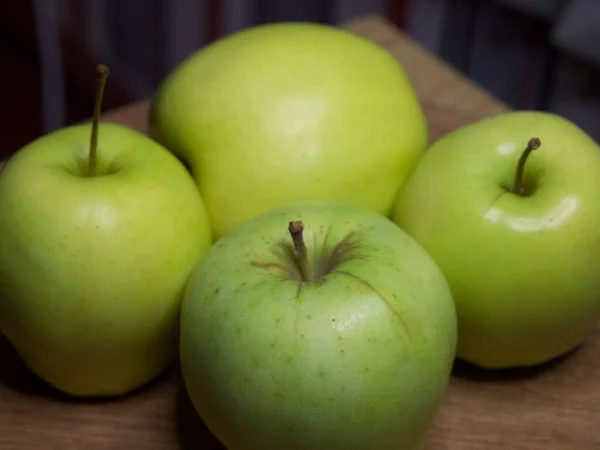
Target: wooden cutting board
[(556, 407)]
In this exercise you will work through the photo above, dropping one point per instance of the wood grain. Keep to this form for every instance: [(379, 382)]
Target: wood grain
[(555, 407)]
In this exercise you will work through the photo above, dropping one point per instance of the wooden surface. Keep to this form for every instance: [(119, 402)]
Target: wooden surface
[(556, 407)]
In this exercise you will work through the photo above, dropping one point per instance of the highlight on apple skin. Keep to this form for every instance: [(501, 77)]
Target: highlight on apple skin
[(340, 335), (99, 228), (521, 256), (290, 112)]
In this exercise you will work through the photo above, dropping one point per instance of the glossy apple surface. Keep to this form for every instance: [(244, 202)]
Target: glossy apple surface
[(290, 112), (357, 357), (92, 268), (523, 268)]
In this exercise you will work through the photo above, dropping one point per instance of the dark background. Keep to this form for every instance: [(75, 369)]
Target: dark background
[(532, 54)]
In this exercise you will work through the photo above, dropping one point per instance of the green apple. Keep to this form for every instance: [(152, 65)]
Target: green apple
[(341, 335), (290, 112), (517, 234), (94, 256)]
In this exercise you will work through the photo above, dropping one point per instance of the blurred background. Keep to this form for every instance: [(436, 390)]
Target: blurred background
[(532, 54)]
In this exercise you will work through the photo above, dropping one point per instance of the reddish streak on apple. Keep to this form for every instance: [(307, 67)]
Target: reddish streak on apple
[(385, 300)]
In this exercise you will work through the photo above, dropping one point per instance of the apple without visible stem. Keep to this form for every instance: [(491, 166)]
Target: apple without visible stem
[(94, 255), (517, 234), (339, 336), (291, 112)]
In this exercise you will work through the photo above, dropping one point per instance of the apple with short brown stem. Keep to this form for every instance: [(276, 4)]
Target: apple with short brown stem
[(521, 251), (340, 336)]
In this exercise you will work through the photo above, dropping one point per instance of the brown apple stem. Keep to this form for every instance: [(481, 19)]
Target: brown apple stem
[(296, 229), (533, 144), (102, 72)]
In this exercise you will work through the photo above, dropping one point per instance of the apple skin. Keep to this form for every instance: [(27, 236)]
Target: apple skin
[(92, 270), (523, 269), (317, 112), (361, 360)]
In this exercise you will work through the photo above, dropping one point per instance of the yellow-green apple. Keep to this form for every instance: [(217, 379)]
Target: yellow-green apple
[(338, 334), (516, 232), (290, 112), (96, 247)]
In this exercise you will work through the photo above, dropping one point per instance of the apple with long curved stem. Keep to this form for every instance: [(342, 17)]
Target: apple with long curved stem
[(520, 248), (97, 238)]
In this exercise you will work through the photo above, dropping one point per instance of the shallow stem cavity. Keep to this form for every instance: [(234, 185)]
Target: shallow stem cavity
[(305, 265)]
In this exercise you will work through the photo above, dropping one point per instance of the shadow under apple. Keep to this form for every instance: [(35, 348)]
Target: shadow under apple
[(192, 433), (15, 375), (471, 372)]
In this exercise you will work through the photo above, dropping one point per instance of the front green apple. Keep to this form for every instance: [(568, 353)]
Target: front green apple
[(522, 262), (341, 336), (289, 112), (92, 267)]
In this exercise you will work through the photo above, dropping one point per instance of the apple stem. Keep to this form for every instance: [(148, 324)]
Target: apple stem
[(533, 144), (102, 71), (296, 228)]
